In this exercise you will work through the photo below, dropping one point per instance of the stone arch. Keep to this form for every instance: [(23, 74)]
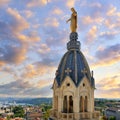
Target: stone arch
[(81, 107), (68, 93), (83, 101), (65, 104), (70, 104), (68, 101)]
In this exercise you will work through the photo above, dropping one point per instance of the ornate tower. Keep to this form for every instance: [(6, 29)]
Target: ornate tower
[(73, 87)]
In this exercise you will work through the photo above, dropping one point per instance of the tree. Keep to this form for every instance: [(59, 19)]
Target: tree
[(46, 109), (46, 115), (112, 118), (18, 111), (103, 118), (8, 117)]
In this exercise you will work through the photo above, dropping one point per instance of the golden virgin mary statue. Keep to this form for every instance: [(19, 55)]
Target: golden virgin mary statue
[(73, 20)]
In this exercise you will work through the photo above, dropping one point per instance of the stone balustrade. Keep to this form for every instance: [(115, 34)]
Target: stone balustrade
[(72, 116)]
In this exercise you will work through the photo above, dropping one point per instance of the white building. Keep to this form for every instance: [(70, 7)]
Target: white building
[(113, 111)]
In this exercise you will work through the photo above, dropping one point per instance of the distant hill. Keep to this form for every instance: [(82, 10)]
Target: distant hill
[(38, 101), (34, 101)]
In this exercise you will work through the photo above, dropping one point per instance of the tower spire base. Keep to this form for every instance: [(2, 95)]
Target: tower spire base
[(73, 43)]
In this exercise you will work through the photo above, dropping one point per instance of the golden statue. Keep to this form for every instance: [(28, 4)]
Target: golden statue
[(73, 20)]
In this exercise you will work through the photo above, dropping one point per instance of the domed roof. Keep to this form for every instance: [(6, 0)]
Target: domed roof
[(74, 65)]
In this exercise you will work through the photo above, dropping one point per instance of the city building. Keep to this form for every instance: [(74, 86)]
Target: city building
[(34, 113), (113, 111), (6, 111), (73, 87)]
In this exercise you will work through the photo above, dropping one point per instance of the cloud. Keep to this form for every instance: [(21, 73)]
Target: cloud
[(108, 82), (51, 22), (12, 54), (93, 4), (57, 11), (14, 43), (18, 23), (112, 23), (11, 49), (1, 64), (70, 3), (112, 11), (108, 55), (108, 35), (4, 2), (39, 92), (33, 36), (44, 49), (30, 71), (109, 86), (34, 3), (14, 87), (90, 20), (112, 20), (92, 34), (56, 37), (37, 69), (24, 88), (28, 13), (110, 93), (43, 83), (93, 9)]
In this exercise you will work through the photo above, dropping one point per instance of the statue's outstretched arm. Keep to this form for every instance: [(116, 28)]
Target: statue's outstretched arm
[(68, 20)]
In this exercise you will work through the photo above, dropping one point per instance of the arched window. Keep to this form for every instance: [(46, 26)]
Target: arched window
[(86, 104), (70, 104), (81, 104), (65, 104)]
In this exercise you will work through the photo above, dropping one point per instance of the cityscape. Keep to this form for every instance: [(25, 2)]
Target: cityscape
[(40, 108), (59, 60)]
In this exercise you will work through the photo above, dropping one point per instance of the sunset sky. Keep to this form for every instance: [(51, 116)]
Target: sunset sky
[(33, 37)]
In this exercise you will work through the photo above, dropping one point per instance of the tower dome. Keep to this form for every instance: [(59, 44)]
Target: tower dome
[(73, 64)]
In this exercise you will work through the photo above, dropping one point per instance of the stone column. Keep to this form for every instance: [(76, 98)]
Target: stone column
[(76, 104)]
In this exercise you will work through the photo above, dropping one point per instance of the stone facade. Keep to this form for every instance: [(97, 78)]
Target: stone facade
[(73, 103)]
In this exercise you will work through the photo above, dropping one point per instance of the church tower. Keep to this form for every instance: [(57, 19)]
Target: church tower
[(73, 87)]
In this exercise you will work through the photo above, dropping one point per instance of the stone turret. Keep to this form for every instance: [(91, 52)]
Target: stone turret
[(73, 87)]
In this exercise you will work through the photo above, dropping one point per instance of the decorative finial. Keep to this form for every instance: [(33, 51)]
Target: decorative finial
[(73, 20), (68, 71), (92, 73)]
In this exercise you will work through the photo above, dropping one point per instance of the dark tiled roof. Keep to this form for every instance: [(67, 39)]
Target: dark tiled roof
[(76, 62), (113, 109)]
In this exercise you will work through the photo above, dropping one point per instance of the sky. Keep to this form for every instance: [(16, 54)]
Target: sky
[(33, 38)]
